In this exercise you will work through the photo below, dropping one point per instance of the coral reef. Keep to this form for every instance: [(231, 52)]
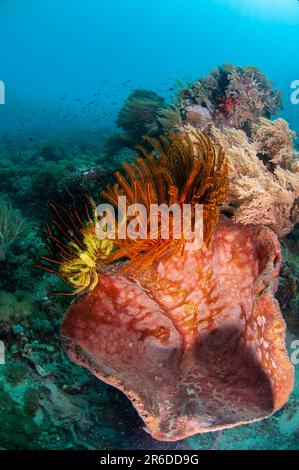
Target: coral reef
[(150, 292), (182, 311), (231, 96)]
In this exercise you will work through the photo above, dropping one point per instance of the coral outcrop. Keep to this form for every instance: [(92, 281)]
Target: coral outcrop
[(231, 96)]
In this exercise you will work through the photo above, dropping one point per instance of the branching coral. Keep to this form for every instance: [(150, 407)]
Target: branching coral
[(12, 227)]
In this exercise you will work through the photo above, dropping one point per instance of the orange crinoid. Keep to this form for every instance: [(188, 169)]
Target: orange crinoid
[(184, 168)]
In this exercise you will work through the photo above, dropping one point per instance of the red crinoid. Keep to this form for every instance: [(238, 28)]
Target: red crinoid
[(228, 103)]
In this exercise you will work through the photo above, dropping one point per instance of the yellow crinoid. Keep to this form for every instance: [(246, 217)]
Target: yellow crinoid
[(76, 254), (183, 168), (82, 270)]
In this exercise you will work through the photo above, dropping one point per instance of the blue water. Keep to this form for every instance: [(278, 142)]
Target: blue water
[(54, 53)]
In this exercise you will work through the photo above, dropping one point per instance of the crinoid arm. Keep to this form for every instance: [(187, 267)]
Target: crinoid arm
[(75, 254), (183, 168)]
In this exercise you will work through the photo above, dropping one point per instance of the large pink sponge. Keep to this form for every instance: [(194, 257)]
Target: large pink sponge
[(196, 341)]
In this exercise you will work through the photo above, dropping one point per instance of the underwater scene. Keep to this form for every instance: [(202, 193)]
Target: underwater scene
[(149, 238)]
